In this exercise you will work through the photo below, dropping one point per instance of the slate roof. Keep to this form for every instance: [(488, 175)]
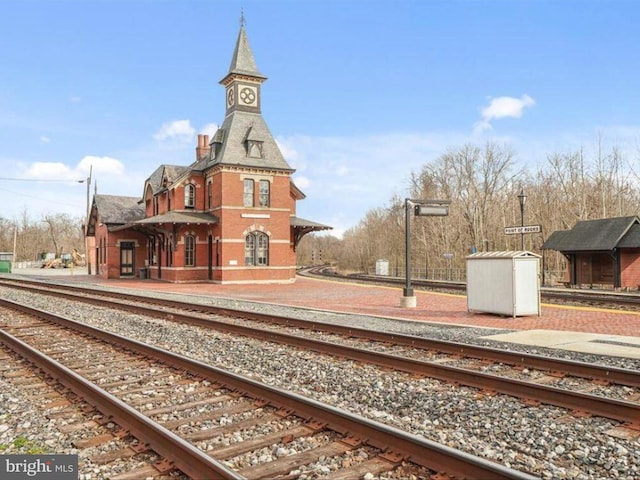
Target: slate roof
[(171, 171), (233, 150), (604, 234), (632, 238), (116, 210), (242, 61)]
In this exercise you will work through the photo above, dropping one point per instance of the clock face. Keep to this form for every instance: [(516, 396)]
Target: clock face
[(231, 97), (248, 95)]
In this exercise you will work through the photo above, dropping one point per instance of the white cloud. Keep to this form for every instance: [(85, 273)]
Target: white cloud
[(503, 107), (344, 177), (59, 171), (104, 165), (180, 130), (209, 129), (51, 171), (289, 153), (301, 182)]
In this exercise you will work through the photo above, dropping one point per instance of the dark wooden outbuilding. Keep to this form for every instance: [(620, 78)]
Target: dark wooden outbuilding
[(601, 252)]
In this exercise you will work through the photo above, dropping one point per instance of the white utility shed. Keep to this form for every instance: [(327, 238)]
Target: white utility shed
[(506, 283)]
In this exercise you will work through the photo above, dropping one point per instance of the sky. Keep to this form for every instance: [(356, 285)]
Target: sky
[(360, 94)]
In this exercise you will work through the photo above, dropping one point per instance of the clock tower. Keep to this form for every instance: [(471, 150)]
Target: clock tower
[(243, 81)]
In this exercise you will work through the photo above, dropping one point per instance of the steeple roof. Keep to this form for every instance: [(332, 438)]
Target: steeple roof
[(242, 62)]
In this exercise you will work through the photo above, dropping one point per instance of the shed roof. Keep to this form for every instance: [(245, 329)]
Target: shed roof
[(180, 217), (503, 254), (169, 218), (301, 222), (603, 234)]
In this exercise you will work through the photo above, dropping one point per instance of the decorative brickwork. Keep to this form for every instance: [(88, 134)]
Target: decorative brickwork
[(238, 184)]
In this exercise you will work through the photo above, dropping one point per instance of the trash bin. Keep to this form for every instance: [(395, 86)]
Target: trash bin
[(144, 272), (5, 262)]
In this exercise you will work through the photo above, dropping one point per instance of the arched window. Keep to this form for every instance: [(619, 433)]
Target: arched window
[(189, 196), (256, 249), (189, 251), (210, 195)]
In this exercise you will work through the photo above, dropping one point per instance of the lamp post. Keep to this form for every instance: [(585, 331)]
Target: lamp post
[(408, 299), (523, 199), (420, 208)]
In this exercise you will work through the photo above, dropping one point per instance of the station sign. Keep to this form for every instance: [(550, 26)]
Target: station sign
[(523, 229), (431, 210)]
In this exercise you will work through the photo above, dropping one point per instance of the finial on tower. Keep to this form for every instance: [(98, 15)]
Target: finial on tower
[(242, 22)]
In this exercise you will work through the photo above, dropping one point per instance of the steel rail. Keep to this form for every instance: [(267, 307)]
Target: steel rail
[(575, 368), (418, 450), (187, 458), (608, 408), (547, 293)]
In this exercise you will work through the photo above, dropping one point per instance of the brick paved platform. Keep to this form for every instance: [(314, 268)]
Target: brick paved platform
[(385, 301)]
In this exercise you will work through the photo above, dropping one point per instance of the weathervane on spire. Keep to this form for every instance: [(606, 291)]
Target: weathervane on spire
[(242, 17)]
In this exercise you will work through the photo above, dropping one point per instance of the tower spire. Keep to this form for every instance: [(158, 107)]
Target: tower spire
[(242, 62)]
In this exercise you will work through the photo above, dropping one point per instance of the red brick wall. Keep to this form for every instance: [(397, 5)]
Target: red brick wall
[(236, 221), (108, 263), (630, 268)]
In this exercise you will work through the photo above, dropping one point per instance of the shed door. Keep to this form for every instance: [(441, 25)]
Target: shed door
[(127, 258)]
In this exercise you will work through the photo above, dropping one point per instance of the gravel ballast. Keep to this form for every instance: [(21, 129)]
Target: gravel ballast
[(545, 441)]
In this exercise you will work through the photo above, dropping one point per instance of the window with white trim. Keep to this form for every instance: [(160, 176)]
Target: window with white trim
[(248, 192), (256, 249), (265, 193), (189, 196)]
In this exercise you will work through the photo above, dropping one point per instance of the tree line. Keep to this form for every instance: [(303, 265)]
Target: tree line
[(52, 233), (483, 184)]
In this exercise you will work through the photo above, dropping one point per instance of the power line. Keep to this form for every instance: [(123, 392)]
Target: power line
[(40, 180)]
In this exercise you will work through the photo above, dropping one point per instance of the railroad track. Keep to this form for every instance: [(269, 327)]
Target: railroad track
[(158, 397), (563, 296), (596, 389)]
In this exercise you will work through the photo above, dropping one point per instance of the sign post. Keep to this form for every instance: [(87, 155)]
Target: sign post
[(523, 229)]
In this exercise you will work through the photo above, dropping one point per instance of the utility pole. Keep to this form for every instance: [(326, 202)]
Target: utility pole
[(87, 254)]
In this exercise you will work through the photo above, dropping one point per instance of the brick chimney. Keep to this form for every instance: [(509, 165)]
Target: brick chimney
[(203, 147)]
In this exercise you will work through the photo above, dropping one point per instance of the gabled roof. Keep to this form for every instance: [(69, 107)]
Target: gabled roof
[(172, 172), (115, 210), (632, 238), (604, 234)]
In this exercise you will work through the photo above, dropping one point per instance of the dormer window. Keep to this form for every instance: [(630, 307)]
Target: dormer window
[(216, 143), (253, 143), (254, 149), (189, 196)]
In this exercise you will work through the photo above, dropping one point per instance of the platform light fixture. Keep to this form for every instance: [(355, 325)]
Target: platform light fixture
[(522, 197), (421, 208)]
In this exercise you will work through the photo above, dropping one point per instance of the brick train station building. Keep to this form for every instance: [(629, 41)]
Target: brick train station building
[(228, 217)]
